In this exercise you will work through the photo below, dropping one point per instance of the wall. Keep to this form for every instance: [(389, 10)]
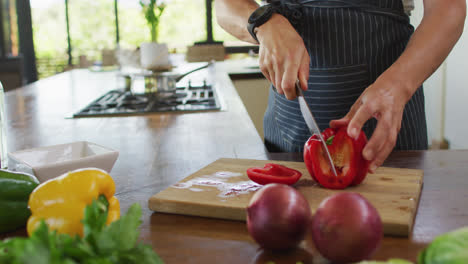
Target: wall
[(433, 90), (446, 93), (457, 94)]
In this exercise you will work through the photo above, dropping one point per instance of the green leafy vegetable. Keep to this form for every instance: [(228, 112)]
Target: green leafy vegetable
[(101, 244), (448, 248)]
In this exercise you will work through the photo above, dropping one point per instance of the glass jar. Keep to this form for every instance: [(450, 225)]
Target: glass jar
[(3, 126)]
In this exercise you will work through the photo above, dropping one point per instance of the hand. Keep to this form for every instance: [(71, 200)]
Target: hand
[(283, 57), (385, 101)]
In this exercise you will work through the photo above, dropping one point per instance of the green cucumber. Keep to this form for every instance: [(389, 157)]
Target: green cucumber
[(15, 189), (8, 174)]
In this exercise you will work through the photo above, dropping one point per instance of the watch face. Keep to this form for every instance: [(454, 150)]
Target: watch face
[(259, 13)]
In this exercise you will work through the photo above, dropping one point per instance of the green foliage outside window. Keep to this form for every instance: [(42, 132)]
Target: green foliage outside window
[(92, 29)]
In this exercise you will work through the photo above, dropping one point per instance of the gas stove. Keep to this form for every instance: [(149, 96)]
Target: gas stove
[(123, 102)]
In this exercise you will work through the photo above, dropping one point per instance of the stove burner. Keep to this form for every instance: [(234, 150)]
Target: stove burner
[(129, 98), (122, 102)]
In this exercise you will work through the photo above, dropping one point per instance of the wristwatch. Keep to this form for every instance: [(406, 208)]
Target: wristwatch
[(259, 17)]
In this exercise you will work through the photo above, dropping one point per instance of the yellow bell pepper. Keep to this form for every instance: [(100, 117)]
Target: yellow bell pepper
[(61, 201)]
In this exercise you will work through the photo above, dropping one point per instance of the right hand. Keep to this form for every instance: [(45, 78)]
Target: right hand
[(283, 56)]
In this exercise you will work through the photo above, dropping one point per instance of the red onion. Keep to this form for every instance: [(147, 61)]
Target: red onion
[(278, 217), (346, 228)]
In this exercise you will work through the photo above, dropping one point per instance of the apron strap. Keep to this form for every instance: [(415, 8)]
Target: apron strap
[(292, 7)]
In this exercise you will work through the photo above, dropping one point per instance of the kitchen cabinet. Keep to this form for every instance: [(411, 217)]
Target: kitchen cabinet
[(254, 95)]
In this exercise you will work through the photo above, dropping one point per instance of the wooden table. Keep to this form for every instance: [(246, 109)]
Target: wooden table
[(157, 150)]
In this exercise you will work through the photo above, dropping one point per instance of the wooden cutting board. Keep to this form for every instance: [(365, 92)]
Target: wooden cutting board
[(223, 190)]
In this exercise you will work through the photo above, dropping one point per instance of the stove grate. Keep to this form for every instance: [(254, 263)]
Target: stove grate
[(121, 102)]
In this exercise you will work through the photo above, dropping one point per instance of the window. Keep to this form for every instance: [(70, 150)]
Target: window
[(92, 28), (221, 35), (10, 29), (182, 24), (95, 25), (50, 36)]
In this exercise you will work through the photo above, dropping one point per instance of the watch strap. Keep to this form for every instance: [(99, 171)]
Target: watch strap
[(255, 21)]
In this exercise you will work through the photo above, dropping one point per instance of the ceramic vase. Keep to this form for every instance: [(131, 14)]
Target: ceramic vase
[(154, 55)]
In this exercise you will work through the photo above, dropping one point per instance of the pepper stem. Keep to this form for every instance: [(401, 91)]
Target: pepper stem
[(95, 218), (329, 140), (102, 203)]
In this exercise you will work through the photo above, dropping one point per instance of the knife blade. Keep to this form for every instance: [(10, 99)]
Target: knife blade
[(312, 125)]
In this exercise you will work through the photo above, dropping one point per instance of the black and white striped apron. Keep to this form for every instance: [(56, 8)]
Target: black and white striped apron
[(350, 44)]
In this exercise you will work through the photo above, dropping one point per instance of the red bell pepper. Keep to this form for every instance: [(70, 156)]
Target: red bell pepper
[(273, 173), (346, 154)]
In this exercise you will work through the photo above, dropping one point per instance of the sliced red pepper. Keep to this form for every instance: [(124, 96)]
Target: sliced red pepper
[(273, 173), (347, 158)]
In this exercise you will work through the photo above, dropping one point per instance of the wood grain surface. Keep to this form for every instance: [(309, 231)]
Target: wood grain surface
[(159, 150), (223, 190)]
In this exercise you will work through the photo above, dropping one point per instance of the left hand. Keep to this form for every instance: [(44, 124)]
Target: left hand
[(385, 101)]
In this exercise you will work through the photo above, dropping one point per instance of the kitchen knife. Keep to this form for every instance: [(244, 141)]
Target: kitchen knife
[(311, 124)]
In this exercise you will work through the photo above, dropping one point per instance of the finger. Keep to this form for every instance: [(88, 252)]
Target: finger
[(272, 79), (384, 133), (303, 74), (363, 113), (390, 142), (290, 75), (265, 72), (339, 122), (352, 111), (277, 75), (344, 121), (263, 63), (382, 155), (289, 83)]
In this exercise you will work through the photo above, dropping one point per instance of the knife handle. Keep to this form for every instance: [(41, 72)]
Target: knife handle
[(298, 88)]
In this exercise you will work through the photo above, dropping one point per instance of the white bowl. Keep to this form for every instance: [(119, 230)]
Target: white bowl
[(52, 161)]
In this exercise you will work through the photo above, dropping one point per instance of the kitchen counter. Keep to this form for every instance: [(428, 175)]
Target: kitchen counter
[(157, 150), (153, 148)]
